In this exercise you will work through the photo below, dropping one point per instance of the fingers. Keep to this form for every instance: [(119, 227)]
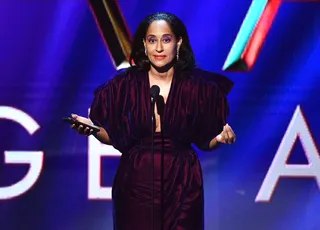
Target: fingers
[(227, 136), (88, 131), (231, 137), (80, 128)]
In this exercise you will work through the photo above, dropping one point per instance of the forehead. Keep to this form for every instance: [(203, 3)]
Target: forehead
[(159, 27)]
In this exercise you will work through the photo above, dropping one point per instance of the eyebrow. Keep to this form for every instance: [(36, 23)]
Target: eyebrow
[(152, 35)]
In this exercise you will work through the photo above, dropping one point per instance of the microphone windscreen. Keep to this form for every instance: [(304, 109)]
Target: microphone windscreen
[(155, 91)]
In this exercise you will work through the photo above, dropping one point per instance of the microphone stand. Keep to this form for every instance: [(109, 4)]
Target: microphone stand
[(160, 103), (152, 153), (160, 109), (162, 176), (154, 93)]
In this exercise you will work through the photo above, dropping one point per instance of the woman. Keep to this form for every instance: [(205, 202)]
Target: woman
[(192, 108)]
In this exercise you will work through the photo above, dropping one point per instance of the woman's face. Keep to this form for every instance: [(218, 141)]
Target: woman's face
[(160, 43)]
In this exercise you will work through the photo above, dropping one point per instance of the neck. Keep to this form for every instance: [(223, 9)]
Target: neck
[(165, 76)]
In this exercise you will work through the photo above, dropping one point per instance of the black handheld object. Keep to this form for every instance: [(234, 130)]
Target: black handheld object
[(72, 121), (154, 93)]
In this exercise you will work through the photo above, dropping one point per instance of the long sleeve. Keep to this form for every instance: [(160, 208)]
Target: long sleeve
[(107, 110), (212, 109)]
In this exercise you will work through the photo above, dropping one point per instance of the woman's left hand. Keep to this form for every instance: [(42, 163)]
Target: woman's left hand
[(227, 136)]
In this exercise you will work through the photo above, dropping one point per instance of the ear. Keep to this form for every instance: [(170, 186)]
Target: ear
[(144, 42)]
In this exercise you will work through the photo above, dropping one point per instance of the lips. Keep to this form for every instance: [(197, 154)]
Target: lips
[(159, 57)]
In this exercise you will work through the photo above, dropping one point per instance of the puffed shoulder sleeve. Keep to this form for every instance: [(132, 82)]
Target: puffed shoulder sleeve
[(106, 110), (100, 107), (212, 109)]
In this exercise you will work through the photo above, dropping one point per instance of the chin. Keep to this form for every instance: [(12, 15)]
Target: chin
[(159, 64)]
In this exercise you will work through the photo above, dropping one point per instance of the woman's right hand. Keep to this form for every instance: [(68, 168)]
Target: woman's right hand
[(81, 130)]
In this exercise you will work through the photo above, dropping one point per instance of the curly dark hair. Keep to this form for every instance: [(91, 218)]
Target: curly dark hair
[(186, 56)]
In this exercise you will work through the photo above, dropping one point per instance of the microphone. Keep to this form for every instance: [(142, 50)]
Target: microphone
[(154, 93)]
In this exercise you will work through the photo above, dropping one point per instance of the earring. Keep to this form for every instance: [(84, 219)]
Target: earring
[(177, 54)]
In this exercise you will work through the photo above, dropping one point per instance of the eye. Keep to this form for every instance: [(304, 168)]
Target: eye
[(166, 40), (152, 40)]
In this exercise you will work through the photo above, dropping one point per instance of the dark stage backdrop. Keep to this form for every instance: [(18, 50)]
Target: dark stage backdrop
[(53, 56)]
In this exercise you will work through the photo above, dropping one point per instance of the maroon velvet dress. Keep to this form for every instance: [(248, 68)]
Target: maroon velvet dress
[(195, 112)]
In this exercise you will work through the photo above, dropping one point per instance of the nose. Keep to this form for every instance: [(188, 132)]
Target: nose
[(159, 47)]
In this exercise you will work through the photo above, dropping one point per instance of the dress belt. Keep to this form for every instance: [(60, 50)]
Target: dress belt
[(163, 143)]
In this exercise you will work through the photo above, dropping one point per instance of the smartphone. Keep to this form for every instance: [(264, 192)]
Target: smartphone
[(72, 121)]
